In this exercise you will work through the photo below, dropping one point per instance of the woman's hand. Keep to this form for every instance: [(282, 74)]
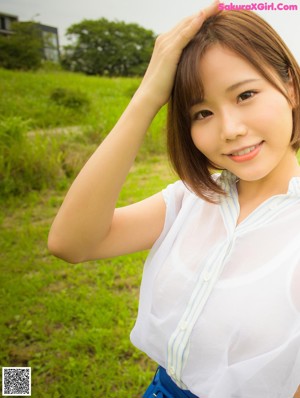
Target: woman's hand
[(159, 77)]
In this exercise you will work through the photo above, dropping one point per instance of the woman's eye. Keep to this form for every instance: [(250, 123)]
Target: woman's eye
[(246, 95), (201, 115)]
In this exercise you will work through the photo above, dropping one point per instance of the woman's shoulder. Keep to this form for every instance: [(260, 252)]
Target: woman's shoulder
[(181, 190), (179, 197), (177, 192)]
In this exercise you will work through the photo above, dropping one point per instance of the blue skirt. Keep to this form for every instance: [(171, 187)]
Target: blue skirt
[(163, 386)]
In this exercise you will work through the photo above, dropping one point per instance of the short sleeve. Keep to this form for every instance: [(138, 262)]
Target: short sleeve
[(174, 196)]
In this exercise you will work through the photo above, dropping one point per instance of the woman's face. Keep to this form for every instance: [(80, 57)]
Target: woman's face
[(244, 124)]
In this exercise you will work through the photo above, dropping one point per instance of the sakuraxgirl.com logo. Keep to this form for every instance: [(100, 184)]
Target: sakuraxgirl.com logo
[(259, 7)]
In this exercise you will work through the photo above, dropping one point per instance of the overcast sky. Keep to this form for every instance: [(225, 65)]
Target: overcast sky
[(158, 15)]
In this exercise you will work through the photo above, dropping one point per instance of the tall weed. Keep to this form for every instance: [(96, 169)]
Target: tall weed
[(26, 162)]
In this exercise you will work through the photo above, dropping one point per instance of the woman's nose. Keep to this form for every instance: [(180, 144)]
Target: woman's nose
[(231, 126)]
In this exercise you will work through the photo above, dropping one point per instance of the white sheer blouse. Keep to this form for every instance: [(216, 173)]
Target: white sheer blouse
[(219, 303)]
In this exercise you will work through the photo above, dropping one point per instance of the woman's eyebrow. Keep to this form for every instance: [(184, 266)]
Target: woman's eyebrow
[(238, 84), (199, 101)]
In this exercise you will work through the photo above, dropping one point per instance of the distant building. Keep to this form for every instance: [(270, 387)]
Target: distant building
[(5, 23), (49, 36), (51, 42)]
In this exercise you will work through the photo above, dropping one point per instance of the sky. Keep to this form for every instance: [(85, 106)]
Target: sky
[(157, 15)]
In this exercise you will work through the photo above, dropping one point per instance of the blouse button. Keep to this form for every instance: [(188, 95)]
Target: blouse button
[(272, 206), (183, 325), (206, 276), (172, 371)]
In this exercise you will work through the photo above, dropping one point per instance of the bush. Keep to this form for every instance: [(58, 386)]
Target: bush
[(108, 48), (50, 66), (12, 130), (26, 163), (23, 49), (73, 99)]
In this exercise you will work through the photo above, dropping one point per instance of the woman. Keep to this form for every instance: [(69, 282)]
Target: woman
[(220, 299)]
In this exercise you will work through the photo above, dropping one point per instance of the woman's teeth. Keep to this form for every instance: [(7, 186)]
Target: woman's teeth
[(244, 151)]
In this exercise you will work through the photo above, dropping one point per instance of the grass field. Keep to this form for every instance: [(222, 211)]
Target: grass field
[(71, 323)]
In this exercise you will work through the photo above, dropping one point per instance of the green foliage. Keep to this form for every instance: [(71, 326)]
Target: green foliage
[(26, 162), (12, 131), (74, 99), (50, 66), (101, 47), (22, 49)]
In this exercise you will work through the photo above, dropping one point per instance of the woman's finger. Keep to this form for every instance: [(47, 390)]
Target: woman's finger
[(186, 29), (159, 77), (192, 25)]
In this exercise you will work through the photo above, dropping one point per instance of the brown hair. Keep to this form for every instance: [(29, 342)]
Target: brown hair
[(252, 38)]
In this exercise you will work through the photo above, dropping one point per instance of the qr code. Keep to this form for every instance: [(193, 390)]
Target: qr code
[(16, 381)]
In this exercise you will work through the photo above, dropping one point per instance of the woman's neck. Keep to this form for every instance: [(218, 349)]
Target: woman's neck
[(253, 193), (275, 183)]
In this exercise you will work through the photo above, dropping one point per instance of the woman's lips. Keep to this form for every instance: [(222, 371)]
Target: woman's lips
[(245, 154)]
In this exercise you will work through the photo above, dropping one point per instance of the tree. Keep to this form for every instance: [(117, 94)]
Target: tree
[(23, 48), (102, 47)]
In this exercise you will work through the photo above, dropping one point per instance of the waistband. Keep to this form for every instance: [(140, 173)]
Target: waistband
[(163, 386)]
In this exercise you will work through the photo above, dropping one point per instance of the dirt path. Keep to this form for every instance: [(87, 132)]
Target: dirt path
[(56, 130)]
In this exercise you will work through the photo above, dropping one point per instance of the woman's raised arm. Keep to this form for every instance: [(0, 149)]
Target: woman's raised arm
[(87, 225), (297, 395)]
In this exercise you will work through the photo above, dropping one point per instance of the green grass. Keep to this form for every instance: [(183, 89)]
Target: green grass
[(70, 323), (50, 122), (28, 95)]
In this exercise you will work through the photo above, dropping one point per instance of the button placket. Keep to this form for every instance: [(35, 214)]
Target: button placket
[(179, 341)]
